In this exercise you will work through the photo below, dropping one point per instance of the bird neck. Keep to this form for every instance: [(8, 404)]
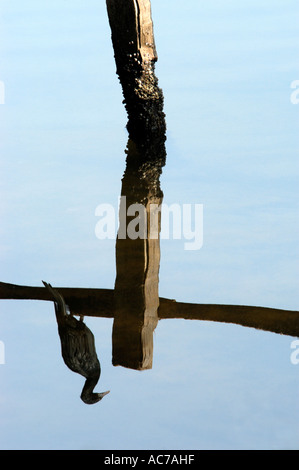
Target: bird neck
[(87, 394)]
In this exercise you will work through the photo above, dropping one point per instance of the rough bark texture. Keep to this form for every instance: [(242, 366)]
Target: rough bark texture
[(136, 291), (135, 56), (137, 260)]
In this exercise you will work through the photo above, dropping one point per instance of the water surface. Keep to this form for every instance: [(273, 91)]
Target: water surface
[(232, 145)]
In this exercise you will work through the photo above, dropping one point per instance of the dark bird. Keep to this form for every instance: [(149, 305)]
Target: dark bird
[(77, 347)]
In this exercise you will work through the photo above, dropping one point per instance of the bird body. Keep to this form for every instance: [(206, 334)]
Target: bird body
[(77, 347)]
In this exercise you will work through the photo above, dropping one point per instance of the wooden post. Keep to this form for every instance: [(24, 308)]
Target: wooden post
[(135, 56), (137, 258), (132, 30), (136, 291)]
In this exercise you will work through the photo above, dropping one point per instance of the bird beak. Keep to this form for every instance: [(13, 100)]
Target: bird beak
[(104, 393)]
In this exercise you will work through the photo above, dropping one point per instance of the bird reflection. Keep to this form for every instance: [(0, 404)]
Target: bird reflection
[(77, 347)]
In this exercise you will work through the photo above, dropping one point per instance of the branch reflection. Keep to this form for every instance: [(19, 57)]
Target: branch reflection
[(100, 303)]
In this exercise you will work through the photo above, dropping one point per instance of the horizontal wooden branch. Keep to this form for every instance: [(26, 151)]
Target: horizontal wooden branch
[(90, 302), (100, 303)]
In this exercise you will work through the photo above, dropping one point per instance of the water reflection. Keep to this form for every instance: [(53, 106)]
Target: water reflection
[(100, 303), (136, 293), (134, 303), (77, 347), (136, 296)]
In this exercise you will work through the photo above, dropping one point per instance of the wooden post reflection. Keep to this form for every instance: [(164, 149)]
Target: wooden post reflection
[(136, 296), (136, 292)]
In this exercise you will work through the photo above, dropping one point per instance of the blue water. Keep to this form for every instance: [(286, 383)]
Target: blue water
[(232, 144)]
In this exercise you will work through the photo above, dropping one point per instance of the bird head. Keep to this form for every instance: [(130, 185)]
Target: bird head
[(92, 398)]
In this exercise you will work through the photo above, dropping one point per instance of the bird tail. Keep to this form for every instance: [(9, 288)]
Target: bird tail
[(60, 306)]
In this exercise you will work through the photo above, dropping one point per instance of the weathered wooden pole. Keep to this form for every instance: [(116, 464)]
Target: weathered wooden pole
[(135, 56), (136, 291), (132, 30)]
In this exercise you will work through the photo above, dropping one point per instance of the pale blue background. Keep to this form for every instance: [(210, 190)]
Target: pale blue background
[(226, 70)]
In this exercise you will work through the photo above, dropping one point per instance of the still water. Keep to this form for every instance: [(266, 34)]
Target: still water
[(197, 347)]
